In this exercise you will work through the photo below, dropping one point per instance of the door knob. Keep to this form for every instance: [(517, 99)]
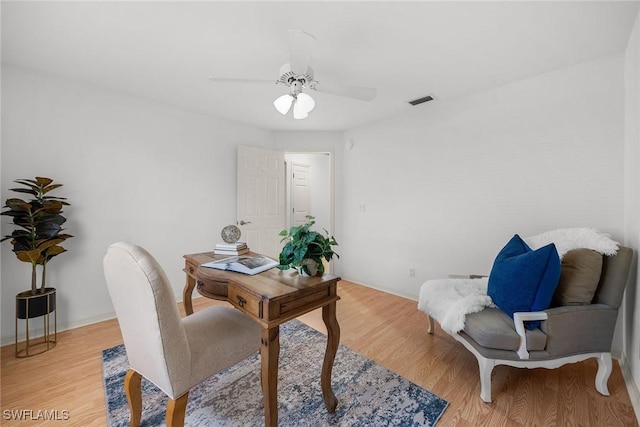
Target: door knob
[(243, 222)]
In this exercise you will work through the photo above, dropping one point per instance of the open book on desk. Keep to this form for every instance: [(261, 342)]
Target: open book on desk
[(243, 264)]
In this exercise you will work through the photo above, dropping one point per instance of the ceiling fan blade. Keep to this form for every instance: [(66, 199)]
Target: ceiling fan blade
[(356, 92), (226, 80), (300, 47)]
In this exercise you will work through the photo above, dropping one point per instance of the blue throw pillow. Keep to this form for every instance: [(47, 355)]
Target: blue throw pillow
[(522, 279)]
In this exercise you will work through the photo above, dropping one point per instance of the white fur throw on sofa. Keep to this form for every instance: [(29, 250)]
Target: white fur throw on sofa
[(448, 301), (567, 239)]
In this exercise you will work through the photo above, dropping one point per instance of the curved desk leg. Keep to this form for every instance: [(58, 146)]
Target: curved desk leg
[(333, 340), (186, 294), (269, 353)]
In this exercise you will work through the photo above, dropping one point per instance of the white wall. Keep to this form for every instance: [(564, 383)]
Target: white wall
[(132, 170), (632, 214), (442, 188)]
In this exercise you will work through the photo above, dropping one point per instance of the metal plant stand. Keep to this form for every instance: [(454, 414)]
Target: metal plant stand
[(30, 306)]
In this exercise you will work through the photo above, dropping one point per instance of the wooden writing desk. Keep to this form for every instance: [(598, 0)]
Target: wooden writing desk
[(270, 298)]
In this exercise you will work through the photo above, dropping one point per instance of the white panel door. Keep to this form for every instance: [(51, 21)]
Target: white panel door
[(300, 200), (260, 198)]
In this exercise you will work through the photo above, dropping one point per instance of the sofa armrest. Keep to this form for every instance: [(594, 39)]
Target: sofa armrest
[(579, 329), (518, 319)]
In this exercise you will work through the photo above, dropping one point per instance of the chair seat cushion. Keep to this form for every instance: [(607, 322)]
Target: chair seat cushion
[(219, 337), (492, 328)]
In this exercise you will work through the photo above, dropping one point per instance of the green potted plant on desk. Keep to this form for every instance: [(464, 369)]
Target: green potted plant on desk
[(36, 240), (305, 249)]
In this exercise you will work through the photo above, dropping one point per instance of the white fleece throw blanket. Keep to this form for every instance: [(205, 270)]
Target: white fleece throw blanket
[(567, 239), (449, 300)]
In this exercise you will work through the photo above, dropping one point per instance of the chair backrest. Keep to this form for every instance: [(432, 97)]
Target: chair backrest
[(614, 277), (145, 305)]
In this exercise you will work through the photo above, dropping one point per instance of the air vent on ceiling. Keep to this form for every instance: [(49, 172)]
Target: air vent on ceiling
[(422, 100)]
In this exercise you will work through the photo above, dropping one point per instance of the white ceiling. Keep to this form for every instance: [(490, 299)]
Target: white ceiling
[(164, 51)]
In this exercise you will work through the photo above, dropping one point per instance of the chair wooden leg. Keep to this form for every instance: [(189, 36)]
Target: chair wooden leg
[(604, 371), (176, 410), (486, 367), (133, 388)]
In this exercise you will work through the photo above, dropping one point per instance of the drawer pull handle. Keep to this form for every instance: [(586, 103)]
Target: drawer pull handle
[(191, 269), (241, 301)]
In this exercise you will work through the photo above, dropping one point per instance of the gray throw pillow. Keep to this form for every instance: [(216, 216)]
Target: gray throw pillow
[(581, 270)]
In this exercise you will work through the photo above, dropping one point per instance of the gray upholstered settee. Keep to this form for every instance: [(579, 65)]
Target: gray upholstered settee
[(567, 334)]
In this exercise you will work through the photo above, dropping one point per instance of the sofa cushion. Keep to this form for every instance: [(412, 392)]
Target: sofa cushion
[(492, 328), (522, 279), (581, 270)]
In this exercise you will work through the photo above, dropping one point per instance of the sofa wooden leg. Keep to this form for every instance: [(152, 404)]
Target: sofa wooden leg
[(176, 410), (604, 371), (133, 389), (486, 367), (430, 327)]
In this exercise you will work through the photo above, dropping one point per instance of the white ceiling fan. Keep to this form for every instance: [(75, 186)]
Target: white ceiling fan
[(298, 75)]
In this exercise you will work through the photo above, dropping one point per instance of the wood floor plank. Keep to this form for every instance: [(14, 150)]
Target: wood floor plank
[(386, 328)]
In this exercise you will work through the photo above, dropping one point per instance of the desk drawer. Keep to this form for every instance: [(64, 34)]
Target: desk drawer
[(289, 306), (190, 267), (245, 301), (212, 289)]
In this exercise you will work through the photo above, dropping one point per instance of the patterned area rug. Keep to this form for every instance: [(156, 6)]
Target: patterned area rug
[(368, 394)]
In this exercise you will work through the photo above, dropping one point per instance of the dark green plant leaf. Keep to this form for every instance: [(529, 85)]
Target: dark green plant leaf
[(13, 213), (52, 206), (53, 218), (47, 229), (26, 181), (30, 256), (20, 233), (25, 190), (43, 181), (52, 251), (45, 244), (22, 243), (48, 188), (18, 205)]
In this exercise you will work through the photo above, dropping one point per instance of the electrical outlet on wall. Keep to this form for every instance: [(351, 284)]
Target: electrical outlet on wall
[(412, 272)]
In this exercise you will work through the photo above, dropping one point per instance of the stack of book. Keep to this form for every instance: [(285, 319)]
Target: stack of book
[(237, 248)]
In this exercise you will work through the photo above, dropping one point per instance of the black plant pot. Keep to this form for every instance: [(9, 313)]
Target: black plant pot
[(29, 306)]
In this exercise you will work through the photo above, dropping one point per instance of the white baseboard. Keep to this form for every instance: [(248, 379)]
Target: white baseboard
[(382, 288), (632, 387)]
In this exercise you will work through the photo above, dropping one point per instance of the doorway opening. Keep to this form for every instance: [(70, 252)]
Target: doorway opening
[(309, 189)]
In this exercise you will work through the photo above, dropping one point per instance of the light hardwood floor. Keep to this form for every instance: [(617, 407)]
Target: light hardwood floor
[(386, 328)]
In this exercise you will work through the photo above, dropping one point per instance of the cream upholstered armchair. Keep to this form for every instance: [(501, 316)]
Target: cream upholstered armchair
[(173, 353), (576, 325)]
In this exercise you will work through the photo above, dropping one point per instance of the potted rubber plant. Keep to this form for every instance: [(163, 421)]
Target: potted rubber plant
[(305, 249), (36, 239)]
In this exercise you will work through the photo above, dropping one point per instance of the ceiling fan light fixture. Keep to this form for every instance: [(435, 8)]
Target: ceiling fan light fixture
[(303, 106), (299, 112), (283, 103), (306, 102)]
